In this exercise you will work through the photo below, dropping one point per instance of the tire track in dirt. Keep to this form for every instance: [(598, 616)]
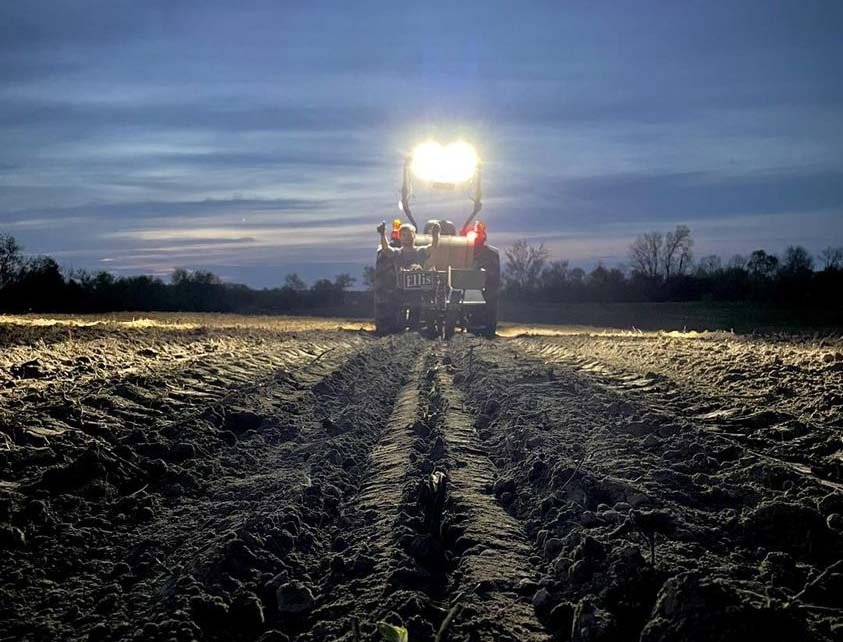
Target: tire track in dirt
[(292, 530), (460, 561), (497, 571), (662, 532), (796, 373), (251, 411), (206, 543), (364, 554), (426, 546), (57, 425), (70, 372), (810, 449), (381, 494)]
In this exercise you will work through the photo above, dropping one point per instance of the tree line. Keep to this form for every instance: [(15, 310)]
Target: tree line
[(38, 284), (661, 267)]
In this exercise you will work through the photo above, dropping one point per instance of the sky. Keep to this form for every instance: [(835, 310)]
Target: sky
[(255, 139)]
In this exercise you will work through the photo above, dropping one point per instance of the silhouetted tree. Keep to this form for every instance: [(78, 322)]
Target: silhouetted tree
[(656, 255), (324, 293), (645, 254), (709, 265), (676, 251), (10, 259), (576, 275), (179, 276), (797, 261), (737, 262), (344, 281), (554, 281), (556, 272), (141, 293), (832, 258), (102, 280), (295, 282), (762, 265), (40, 285), (606, 284), (369, 277), (199, 291), (524, 265)]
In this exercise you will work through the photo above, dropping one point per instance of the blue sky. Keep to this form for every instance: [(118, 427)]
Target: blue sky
[(258, 138)]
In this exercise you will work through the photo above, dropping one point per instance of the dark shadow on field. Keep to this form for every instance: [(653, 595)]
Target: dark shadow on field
[(740, 317)]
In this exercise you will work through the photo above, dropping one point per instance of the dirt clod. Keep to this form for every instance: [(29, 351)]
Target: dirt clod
[(98, 632), (209, 611), (543, 602), (33, 369), (11, 537), (789, 527), (247, 612), (591, 623), (294, 598)]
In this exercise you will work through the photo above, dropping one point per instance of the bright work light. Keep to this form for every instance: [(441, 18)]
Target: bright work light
[(448, 164)]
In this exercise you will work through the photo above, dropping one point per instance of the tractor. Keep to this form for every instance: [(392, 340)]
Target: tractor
[(457, 287)]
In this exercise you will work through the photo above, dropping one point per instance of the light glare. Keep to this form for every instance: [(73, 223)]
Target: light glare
[(452, 163)]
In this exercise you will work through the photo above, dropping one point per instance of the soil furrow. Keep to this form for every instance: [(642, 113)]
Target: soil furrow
[(636, 511), (363, 554), (381, 493), (415, 594), (106, 416), (807, 448), (213, 541), (496, 572), (262, 481), (353, 410), (796, 374), (434, 552)]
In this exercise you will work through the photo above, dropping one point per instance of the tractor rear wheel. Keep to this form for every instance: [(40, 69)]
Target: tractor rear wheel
[(386, 320), (386, 305), (489, 320), (485, 320)]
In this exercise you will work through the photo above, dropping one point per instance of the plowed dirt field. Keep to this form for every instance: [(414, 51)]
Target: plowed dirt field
[(209, 477)]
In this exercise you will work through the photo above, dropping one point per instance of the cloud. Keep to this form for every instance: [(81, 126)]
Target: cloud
[(697, 195), (207, 134)]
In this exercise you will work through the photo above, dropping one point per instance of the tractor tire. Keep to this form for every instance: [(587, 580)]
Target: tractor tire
[(386, 308), (386, 320), (485, 321), (489, 327)]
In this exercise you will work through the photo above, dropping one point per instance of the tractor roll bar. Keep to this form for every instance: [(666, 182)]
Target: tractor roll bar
[(477, 200), (407, 193)]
